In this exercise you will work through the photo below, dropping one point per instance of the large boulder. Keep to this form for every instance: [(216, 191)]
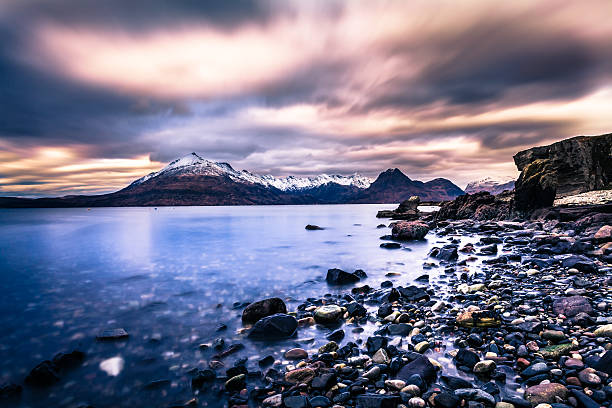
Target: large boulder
[(278, 326), (267, 307), (409, 230), (565, 168)]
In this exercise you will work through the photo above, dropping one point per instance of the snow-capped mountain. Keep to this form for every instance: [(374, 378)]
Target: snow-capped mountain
[(494, 185), (193, 164)]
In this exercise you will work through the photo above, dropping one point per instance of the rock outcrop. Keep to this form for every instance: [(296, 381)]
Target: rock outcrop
[(565, 168), (479, 206), (407, 210)]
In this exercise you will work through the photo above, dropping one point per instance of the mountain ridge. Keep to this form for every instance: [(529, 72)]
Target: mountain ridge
[(193, 180)]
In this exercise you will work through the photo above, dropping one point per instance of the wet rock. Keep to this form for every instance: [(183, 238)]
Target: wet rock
[(112, 334), (474, 394), (273, 401), (455, 382), (43, 375), (300, 376), (478, 318), (277, 326), (375, 343), (311, 227), (546, 393), (605, 363), (571, 306), (202, 377), (319, 401), (582, 263), (553, 335), (296, 354), (390, 245), (554, 352), (413, 293), (236, 383), (354, 309), (297, 401), (263, 308), (409, 230), (339, 277), (328, 314), (484, 367), (584, 400), (8, 391), (421, 366), (381, 357), (589, 377), (466, 358), (535, 369), (377, 401), (604, 331), (446, 400)]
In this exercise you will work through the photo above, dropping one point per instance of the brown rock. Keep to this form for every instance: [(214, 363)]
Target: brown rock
[(300, 376), (546, 393)]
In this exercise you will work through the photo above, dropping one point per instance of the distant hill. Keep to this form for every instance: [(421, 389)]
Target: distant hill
[(192, 180)]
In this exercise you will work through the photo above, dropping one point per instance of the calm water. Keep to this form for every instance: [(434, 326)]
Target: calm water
[(169, 277)]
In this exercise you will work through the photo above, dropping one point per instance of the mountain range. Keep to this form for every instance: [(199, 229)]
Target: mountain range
[(193, 180), (492, 185)]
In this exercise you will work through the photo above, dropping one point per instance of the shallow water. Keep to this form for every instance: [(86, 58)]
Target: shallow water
[(172, 274), (169, 276)]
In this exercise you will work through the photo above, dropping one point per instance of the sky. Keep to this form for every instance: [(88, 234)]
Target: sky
[(94, 94)]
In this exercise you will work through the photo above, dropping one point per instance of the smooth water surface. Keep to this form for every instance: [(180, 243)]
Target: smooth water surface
[(169, 276)]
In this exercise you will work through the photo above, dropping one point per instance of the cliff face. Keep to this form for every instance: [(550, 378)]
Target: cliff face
[(565, 168)]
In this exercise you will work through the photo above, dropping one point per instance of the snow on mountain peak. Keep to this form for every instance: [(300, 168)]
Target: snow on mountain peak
[(196, 165), (494, 185)]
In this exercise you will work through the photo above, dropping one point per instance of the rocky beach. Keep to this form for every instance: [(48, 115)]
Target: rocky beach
[(512, 309)]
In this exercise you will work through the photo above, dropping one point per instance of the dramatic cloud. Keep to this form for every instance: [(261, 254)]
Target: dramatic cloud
[(95, 94)]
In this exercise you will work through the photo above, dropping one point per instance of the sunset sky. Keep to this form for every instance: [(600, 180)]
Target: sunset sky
[(95, 94)]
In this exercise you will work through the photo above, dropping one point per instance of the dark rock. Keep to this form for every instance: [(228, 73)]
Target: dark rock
[(421, 366), (267, 307), (277, 326), (446, 400), (377, 401), (202, 377), (65, 361), (355, 309), (374, 343), (605, 363), (568, 167), (390, 245), (413, 293), (43, 375), (297, 401), (466, 358), (320, 402), (311, 227), (580, 262), (584, 400), (323, 382), (455, 382), (112, 334), (336, 335), (339, 277), (10, 391)]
